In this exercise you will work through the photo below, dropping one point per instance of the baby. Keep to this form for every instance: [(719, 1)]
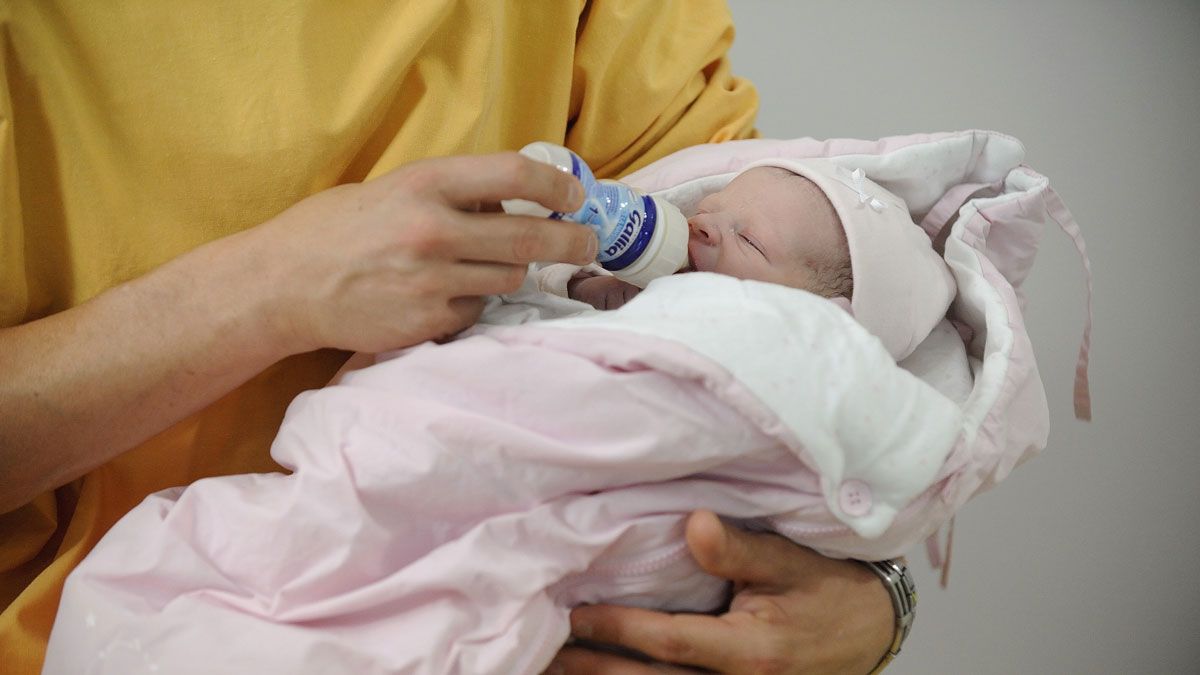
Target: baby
[(768, 224), (813, 225)]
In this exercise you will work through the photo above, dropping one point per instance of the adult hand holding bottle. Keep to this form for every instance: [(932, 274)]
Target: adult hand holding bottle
[(406, 257)]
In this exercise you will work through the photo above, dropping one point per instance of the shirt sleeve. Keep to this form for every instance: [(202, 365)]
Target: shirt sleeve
[(652, 77)]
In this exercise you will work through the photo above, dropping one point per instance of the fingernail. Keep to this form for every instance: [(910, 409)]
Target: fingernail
[(582, 630), (593, 247), (555, 668), (576, 193)]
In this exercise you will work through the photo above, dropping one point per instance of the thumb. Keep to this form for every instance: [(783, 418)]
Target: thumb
[(726, 551)]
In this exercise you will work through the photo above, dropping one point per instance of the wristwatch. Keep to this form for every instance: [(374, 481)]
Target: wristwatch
[(902, 590)]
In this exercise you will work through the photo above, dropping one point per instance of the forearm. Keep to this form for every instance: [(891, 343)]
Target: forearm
[(79, 387)]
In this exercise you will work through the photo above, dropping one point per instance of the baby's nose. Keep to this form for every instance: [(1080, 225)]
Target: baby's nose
[(705, 231)]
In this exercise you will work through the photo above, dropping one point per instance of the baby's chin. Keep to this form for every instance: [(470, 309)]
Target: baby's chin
[(690, 266)]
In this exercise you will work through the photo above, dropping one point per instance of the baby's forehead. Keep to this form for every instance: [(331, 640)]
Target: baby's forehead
[(790, 200), (779, 185)]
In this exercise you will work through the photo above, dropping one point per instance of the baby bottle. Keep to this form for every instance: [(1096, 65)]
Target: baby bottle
[(641, 237)]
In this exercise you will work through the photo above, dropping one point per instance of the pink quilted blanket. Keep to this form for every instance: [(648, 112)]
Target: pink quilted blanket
[(449, 503)]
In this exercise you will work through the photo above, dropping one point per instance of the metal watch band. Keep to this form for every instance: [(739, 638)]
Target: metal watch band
[(903, 592)]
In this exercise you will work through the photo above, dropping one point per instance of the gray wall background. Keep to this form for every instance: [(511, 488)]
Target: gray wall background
[(1087, 559)]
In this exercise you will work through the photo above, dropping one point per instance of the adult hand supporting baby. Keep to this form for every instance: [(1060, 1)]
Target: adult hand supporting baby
[(793, 611), (370, 266)]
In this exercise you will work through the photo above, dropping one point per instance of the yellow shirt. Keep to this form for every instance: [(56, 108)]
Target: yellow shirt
[(132, 131)]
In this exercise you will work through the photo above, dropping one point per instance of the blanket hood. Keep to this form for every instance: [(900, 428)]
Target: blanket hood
[(971, 192)]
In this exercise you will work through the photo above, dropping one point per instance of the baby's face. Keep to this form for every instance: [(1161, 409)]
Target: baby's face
[(766, 225)]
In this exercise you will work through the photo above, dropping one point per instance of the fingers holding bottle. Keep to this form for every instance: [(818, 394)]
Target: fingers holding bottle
[(387, 263), (489, 179)]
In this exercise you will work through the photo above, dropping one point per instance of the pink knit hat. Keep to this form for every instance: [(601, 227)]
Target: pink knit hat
[(902, 287)]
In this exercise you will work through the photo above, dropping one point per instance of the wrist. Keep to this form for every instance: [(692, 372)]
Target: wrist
[(901, 591), (231, 283)]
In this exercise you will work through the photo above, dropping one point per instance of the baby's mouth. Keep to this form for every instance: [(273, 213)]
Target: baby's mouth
[(690, 266)]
